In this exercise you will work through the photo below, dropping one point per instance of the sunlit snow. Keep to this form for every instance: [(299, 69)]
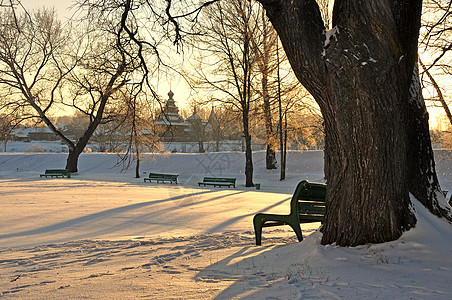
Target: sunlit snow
[(104, 234)]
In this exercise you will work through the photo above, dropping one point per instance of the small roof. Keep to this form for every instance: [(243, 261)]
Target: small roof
[(194, 116)]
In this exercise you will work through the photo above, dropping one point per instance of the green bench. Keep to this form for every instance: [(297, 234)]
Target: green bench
[(307, 205), (159, 177), (218, 181), (56, 173)]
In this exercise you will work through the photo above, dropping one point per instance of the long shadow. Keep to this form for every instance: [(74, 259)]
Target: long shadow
[(224, 270), (87, 177), (98, 215), (173, 210), (233, 220)]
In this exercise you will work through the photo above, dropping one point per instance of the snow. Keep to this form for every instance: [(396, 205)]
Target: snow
[(103, 234), (329, 35)]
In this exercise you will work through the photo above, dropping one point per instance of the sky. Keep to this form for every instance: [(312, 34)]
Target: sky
[(183, 94), (62, 6)]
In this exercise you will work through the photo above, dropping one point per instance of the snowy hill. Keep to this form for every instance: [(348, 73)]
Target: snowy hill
[(192, 167), (104, 234)]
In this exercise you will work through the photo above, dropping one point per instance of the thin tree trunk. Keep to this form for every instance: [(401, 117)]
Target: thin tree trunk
[(270, 157), (284, 157), (137, 153), (248, 151), (246, 98), (137, 168), (282, 175), (201, 146)]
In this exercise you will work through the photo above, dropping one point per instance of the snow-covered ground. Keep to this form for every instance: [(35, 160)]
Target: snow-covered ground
[(107, 235)]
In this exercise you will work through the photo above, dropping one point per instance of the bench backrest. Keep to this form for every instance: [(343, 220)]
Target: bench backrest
[(57, 171), (309, 200), (162, 176), (219, 179)]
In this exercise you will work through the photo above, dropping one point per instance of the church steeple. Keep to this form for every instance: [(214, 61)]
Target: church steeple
[(170, 114), (170, 95)]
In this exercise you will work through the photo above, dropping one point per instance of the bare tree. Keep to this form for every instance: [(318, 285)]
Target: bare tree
[(229, 29), (197, 129), (31, 58), (436, 41), (46, 66), (439, 92), (266, 48), (136, 122), (103, 69), (7, 125)]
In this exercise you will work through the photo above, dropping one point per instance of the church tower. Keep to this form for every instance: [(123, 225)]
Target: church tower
[(170, 114), (171, 123)]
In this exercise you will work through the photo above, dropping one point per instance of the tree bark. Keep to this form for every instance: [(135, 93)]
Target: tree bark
[(360, 74), (72, 159)]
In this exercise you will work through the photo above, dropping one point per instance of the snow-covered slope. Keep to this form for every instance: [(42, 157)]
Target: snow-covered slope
[(104, 234)]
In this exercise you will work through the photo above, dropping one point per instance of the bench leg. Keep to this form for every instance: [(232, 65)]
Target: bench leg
[(291, 220), (258, 222), (297, 229)]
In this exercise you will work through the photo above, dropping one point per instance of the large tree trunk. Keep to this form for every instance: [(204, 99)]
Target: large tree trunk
[(72, 159), (76, 149), (367, 144), (360, 74), (365, 119)]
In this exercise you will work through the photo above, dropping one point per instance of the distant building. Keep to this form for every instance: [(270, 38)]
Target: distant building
[(173, 127), (28, 134)]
